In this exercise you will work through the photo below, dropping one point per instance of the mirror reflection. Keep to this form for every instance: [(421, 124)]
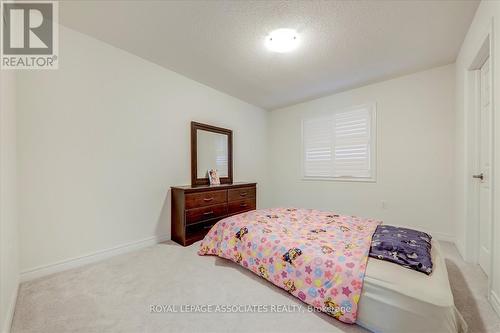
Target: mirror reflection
[(212, 153)]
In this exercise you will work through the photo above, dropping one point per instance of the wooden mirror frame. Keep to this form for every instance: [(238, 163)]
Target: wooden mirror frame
[(194, 153)]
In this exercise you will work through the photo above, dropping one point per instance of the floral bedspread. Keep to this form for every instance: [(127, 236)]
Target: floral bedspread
[(318, 256)]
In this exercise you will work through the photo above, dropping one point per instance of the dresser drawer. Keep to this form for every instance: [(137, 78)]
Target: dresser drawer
[(196, 232), (205, 213), (241, 193), (241, 206), (195, 200)]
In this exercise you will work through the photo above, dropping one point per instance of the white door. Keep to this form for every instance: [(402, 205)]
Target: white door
[(485, 159)]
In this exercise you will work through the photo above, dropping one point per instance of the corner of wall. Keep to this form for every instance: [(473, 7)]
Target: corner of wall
[(460, 247), (11, 306), (9, 251)]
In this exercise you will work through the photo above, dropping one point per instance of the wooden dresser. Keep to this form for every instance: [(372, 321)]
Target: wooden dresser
[(195, 209)]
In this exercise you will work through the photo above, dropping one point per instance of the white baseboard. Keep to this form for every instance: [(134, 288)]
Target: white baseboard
[(9, 316), (63, 265), (495, 302), (441, 236)]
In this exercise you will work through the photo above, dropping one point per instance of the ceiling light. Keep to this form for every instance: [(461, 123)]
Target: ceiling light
[(282, 40)]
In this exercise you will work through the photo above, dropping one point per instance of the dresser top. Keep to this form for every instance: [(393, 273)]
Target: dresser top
[(197, 188)]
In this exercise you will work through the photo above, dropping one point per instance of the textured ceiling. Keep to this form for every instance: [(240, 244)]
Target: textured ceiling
[(344, 44)]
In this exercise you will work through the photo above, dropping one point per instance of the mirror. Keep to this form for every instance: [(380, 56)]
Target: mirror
[(211, 148), (211, 153)]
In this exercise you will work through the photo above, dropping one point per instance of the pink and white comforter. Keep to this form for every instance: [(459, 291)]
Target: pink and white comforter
[(319, 257)]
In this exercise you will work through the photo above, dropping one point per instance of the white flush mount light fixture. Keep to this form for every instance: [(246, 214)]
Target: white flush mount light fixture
[(282, 40)]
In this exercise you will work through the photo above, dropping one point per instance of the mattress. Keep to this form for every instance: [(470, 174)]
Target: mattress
[(396, 299)]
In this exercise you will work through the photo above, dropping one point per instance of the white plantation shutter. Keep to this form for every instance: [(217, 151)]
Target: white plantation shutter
[(340, 145), (318, 146)]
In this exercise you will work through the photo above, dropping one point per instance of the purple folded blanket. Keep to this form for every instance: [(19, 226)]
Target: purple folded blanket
[(406, 247)]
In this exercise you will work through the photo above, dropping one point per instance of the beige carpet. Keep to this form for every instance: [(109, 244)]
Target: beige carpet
[(115, 296)]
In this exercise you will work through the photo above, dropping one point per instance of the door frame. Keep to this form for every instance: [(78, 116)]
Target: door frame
[(484, 51)]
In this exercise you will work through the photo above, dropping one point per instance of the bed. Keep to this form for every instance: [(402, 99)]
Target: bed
[(322, 259)]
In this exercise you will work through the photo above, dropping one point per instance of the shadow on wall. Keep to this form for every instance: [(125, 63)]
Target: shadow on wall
[(163, 226), (464, 299)]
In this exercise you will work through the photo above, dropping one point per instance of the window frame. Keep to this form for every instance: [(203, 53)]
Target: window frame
[(372, 107)]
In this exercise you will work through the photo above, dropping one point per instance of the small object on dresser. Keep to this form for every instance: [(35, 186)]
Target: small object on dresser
[(213, 176)]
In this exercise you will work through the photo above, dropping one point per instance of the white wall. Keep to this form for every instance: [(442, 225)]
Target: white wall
[(487, 15), (415, 120), (101, 140), (9, 259)]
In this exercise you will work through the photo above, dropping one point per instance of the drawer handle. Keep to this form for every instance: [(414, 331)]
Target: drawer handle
[(208, 199), (208, 213), (243, 205), (243, 194)]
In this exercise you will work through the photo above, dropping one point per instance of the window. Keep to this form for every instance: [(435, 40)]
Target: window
[(340, 145)]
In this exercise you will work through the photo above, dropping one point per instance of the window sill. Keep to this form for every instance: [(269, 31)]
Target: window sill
[(341, 179)]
